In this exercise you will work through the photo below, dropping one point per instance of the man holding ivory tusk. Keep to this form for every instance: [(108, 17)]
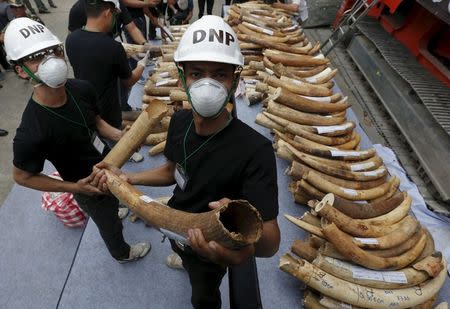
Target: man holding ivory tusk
[(61, 124), (213, 157)]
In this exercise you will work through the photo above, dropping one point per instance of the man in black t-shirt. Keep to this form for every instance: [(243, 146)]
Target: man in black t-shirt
[(98, 58), (213, 157), (77, 20), (61, 124)]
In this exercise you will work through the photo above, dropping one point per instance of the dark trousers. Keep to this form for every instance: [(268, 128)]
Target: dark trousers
[(205, 278), (201, 7), (103, 211)]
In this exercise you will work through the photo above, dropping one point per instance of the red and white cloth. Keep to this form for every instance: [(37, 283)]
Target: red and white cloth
[(64, 206)]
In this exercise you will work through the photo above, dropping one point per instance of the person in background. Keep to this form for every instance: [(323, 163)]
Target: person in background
[(296, 6), (179, 12), (156, 15), (19, 10), (96, 57), (77, 19), (201, 7), (41, 7), (136, 9), (61, 124)]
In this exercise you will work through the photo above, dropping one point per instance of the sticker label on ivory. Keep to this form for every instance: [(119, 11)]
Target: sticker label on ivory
[(264, 30), (328, 129), (318, 99), (162, 98), (374, 173), (297, 82), (394, 276), (367, 241), (291, 28), (361, 166), (341, 153), (250, 81), (269, 71), (164, 74), (146, 198), (350, 191), (165, 82)]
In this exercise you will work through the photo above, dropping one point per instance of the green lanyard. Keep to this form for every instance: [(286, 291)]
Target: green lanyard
[(201, 146), (67, 119)]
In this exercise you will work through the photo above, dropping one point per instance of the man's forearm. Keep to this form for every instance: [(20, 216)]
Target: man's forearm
[(42, 182), (136, 34), (269, 242), (158, 177), (106, 130)]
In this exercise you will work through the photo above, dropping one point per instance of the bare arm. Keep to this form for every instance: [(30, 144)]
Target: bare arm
[(269, 242), (160, 176), (106, 130), (140, 4), (135, 75), (188, 18), (135, 33), (42, 182)]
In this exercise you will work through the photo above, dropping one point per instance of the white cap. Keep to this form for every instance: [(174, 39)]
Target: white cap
[(24, 37), (115, 2), (183, 4), (209, 39)]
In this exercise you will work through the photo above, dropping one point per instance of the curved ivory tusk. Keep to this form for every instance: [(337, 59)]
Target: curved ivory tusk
[(157, 149), (299, 89), (432, 264), (352, 144), (359, 295), (362, 226), (311, 301), (141, 128), (264, 121), (429, 247), (234, 225), (305, 226), (297, 170), (304, 250), (399, 244), (344, 244), (155, 138), (360, 176), (392, 190), (324, 140), (350, 194), (300, 103), (280, 46), (293, 59), (406, 277), (242, 28), (332, 303), (301, 117)]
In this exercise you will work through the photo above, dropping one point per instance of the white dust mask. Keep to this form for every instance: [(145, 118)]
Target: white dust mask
[(208, 97), (53, 71)]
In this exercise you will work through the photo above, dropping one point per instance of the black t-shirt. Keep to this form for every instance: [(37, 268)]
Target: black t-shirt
[(43, 135), (136, 12), (77, 16), (237, 163), (101, 60)]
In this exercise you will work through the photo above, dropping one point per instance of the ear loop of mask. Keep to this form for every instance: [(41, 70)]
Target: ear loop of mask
[(234, 85), (31, 75)]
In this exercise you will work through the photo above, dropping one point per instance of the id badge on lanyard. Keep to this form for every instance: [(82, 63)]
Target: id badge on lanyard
[(180, 177), (97, 143)]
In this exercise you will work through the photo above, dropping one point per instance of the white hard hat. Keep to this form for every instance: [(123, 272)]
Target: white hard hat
[(24, 37), (115, 2), (209, 39)]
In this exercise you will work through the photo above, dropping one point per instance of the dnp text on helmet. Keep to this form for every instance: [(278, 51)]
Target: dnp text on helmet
[(200, 35), (33, 29)]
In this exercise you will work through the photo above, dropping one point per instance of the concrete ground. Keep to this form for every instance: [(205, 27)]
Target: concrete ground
[(15, 92)]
